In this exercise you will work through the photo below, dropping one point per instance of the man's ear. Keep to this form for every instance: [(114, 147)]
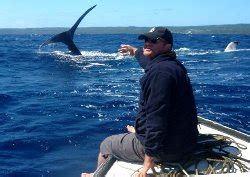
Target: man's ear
[(168, 47)]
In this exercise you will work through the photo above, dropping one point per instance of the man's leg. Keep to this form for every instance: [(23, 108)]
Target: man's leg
[(100, 161), (123, 147)]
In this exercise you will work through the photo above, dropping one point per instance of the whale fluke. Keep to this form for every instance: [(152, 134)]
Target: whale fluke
[(67, 36), (231, 46)]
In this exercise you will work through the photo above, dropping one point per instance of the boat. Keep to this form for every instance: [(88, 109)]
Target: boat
[(233, 160)]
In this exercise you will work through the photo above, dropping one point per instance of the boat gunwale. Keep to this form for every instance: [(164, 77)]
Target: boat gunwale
[(224, 129)]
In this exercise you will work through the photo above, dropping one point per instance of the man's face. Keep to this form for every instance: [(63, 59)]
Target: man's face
[(153, 48)]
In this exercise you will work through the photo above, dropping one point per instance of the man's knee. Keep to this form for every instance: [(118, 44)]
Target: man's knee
[(105, 147)]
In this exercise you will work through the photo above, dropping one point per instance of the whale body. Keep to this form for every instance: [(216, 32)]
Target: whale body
[(67, 36), (231, 46)]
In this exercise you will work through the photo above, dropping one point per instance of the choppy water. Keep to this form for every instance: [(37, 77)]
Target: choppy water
[(55, 109)]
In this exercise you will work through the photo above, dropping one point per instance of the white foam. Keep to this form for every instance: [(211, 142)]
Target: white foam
[(217, 113), (85, 56), (238, 50), (91, 54), (93, 64), (90, 106), (188, 51), (183, 49)]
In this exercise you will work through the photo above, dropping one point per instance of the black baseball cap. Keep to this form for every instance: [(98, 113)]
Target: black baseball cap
[(156, 33)]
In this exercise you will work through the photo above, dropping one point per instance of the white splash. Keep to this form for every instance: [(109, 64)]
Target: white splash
[(85, 56), (188, 51), (93, 64)]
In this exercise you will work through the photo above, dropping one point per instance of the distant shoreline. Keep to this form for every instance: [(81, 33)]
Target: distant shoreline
[(209, 29)]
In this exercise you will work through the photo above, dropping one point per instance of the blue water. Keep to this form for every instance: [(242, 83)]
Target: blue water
[(55, 109)]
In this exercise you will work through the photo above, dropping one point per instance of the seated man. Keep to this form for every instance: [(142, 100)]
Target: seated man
[(166, 123)]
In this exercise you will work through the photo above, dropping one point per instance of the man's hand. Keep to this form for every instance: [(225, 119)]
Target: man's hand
[(130, 129), (141, 173), (124, 49), (148, 163)]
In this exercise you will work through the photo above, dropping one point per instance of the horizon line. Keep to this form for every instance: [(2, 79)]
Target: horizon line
[(125, 26)]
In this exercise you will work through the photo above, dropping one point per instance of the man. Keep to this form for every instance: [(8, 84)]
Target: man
[(166, 123)]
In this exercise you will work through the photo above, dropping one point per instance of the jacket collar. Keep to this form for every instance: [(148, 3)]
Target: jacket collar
[(162, 57)]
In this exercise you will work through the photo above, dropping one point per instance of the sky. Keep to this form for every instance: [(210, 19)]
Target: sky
[(141, 13)]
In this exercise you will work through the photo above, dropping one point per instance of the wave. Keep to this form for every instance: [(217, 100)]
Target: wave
[(93, 65), (188, 51), (86, 55), (238, 50), (98, 55)]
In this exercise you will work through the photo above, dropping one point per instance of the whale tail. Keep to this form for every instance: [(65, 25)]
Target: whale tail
[(231, 46), (67, 36)]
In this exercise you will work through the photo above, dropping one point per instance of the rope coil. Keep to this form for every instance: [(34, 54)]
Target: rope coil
[(211, 152)]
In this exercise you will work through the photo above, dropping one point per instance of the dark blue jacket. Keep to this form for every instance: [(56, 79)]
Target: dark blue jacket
[(166, 123)]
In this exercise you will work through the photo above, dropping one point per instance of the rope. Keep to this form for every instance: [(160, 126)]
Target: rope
[(211, 150)]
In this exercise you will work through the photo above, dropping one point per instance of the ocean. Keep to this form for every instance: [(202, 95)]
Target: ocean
[(55, 109)]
